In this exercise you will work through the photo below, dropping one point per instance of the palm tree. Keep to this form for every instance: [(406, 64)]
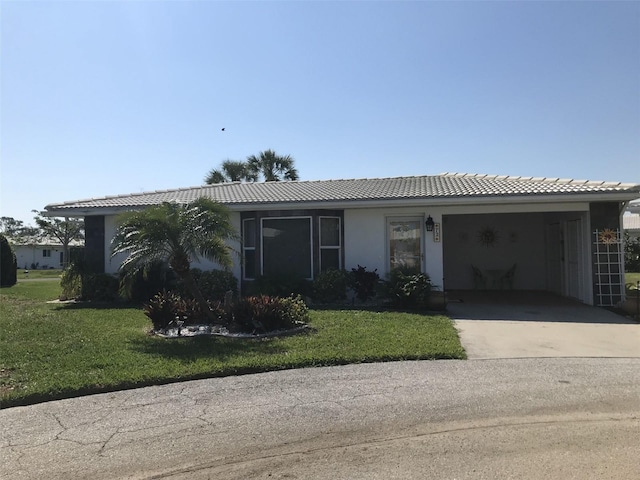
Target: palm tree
[(179, 233), (273, 167), (231, 171)]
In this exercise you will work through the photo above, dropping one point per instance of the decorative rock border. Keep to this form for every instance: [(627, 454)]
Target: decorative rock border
[(220, 331)]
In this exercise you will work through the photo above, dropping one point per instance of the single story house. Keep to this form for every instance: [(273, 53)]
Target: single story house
[(465, 231), (41, 253)]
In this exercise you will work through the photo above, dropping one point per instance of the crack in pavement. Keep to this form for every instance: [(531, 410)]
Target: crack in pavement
[(235, 461)]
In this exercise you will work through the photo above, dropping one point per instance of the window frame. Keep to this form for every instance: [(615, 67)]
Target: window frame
[(322, 247), (292, 217), (421, 230), (245, 248)]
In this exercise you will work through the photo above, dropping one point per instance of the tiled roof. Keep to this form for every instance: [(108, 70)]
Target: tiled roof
[(446, 185), (43, 242)]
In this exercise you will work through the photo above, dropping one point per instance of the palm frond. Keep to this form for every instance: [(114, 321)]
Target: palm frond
[(201, 228)]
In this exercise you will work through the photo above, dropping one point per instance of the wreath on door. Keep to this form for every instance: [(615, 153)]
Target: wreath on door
[(487, 236)]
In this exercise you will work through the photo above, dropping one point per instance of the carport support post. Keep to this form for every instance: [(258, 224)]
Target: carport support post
[(638, 299)]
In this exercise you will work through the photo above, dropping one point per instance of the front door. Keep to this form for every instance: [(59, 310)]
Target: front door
[(405, 244), (574, 257), (555, 258)]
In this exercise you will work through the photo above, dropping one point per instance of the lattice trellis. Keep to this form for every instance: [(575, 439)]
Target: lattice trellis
[(607, 264)]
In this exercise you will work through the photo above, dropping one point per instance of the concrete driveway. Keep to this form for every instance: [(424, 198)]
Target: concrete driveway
[(541, 326)]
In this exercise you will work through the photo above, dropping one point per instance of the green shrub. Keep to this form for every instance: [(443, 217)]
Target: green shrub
[(144, 284), (162, 309), (263, 313), (101, 287), (71, 280), (79, 284), (214, 284), (631, 253), (279, 286), (166, 307), (330, 286), (8, 264), (408, 291), (364, 283), (256, 314)]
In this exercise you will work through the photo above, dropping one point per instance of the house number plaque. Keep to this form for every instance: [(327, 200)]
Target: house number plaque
[(436, 232)]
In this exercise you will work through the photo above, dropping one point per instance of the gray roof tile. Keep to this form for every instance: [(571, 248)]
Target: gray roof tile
[(446, 185)]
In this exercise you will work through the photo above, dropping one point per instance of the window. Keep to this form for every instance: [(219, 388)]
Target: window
[(405, 245), (330, 247), (249, 248), (286, 247), (46, 252)]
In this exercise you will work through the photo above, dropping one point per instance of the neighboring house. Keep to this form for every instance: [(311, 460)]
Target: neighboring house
[(41, 253), (465, 231), (631, 218), (634, 206), (631, 223)]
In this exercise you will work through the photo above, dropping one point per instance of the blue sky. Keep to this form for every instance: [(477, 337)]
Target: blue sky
[(104, 98)]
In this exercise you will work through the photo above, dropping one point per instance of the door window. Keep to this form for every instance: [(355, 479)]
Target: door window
[(405, 245)]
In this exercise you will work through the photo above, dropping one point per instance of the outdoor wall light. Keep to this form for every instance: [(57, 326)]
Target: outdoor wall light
[(429, 224)]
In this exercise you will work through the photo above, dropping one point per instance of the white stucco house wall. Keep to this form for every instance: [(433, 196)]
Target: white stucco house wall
[(556, 235), (41, 254)]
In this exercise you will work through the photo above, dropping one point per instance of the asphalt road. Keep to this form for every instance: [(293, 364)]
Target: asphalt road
[(519, 418)]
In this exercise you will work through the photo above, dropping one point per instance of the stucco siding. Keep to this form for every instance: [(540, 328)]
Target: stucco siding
[(31, 256), (365, 239), (364, 233)]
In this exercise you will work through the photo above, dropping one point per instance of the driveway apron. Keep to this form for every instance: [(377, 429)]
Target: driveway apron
[(543, 329)]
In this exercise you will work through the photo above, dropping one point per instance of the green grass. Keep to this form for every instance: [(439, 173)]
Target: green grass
[(22, 275), (50, 351), (631, 280)]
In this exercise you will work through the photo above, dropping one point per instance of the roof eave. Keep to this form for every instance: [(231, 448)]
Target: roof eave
[(617, 196)]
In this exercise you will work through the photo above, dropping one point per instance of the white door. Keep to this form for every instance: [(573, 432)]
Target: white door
[(573, 252), (405, 244), (554, 258)]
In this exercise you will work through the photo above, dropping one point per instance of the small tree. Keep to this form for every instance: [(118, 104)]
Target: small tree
[(65, 231), (8, 264), (177, 233)]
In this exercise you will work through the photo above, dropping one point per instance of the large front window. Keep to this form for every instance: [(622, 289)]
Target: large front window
[(286, 247)]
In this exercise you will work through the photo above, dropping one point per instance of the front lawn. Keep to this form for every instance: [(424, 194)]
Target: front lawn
[(50, 351), (51, 273)]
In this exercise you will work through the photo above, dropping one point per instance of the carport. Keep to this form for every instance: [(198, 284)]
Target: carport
[(528, 251)]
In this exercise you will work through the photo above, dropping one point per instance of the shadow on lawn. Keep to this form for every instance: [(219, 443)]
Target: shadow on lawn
[(190, 349), (98, 305)]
